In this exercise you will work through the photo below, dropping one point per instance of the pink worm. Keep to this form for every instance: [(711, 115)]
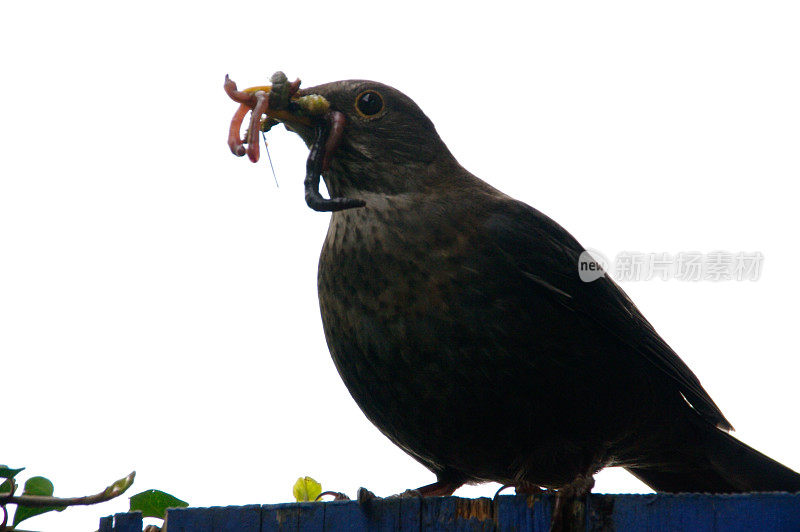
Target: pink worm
[(234, 140), (262, 103)]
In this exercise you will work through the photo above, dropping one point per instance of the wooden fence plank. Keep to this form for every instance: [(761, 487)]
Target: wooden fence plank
[(128, 522), (106, 524), (516, 512), (757, 511), (438, 514), (280, 517), (621, 513), (410, 514), (311, 516), (475, 514), (236, 518), (663, 513), (188, 520)]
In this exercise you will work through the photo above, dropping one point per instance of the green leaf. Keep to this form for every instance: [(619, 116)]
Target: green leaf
[(35, 486), (7, 486), (9, 472), (38, 486), (154, 503), (306, 489)]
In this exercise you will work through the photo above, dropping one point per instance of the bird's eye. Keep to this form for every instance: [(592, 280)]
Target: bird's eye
[(369, 103)]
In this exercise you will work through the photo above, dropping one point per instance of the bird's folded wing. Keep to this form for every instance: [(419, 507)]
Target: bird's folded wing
[(547, 256)]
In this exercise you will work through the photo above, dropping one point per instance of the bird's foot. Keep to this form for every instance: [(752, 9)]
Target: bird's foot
[(522, 488), (365, 496), (337, 495), (569, 511), (437, 489)]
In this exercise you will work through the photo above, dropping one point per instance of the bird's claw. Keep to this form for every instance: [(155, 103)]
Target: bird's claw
[(569, 510), (408, 494), (365, 497), (337, 495)]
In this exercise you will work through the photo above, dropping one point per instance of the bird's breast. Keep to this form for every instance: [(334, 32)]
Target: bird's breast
[(391, 294), (383, 277)]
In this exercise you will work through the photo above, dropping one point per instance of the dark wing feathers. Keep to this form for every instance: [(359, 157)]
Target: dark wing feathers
[(547, 256)]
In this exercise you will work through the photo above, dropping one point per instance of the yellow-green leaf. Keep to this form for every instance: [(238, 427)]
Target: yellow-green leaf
[(306, 489)]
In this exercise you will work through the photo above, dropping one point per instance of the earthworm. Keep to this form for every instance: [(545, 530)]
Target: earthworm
[(262, 103), (328, 132), (234, 138), (247, 101), (236, 95), (337, 122), (324, 134)]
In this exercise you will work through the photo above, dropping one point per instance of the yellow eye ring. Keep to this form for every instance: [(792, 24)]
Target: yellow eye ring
[(369, 103)]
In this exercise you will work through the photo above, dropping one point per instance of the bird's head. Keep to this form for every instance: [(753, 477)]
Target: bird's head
[(382, 124), (375, 139)]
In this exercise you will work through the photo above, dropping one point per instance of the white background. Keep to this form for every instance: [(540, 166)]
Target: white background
[(158, 303)]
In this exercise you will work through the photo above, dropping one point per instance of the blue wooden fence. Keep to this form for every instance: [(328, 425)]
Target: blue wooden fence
[(690, 512)]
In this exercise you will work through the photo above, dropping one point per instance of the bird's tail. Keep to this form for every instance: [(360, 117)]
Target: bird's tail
[(716, 463)]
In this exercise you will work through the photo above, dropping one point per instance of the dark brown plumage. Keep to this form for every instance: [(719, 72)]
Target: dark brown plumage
[(456, 318)]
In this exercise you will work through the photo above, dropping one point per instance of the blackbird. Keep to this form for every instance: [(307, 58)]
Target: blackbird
[(458, 320)]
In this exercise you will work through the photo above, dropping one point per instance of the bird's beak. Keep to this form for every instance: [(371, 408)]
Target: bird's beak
[(249, 98), (280, 101), (305, 112)]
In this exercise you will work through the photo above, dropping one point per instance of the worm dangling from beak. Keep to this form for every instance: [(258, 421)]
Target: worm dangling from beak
[(327, 136), (279, 102)]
